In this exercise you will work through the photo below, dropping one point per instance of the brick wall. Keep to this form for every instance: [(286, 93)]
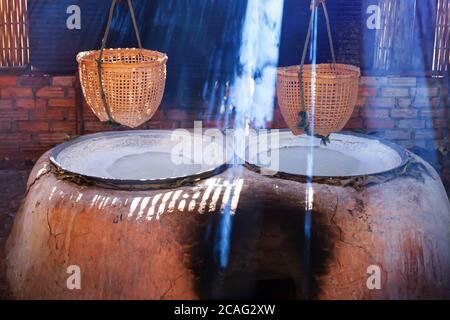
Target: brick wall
[(411, 111), (38, 111)]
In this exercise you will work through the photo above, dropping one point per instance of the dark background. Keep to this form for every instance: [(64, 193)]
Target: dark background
[(202, 38), (192, 32)]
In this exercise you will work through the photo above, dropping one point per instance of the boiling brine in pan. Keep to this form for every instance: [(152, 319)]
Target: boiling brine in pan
[(151, 165), (327, 162), (344, 156), (142, 156)]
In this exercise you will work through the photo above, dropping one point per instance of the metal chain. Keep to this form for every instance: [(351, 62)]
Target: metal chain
[(303, 124), (133, 19)]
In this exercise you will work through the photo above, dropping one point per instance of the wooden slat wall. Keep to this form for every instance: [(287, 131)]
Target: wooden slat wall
[(14, 44), (414, 36), (385, 35), (442, 35)]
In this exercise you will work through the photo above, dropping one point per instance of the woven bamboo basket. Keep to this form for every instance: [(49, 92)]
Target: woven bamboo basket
[(133, 83), (317, 99), (331, 89)]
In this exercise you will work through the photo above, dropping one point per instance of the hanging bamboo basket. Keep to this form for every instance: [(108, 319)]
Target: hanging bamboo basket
[(317, 99), (133, 82), (123, 86), (334, 97)]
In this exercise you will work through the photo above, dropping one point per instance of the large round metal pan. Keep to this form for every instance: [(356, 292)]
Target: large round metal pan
[(141, 159), (346, 155)]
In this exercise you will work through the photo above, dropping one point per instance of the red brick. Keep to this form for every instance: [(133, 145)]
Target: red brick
[(395, 92), (438, 123), (355, 123), (403, 81), (63, 126), (404, 113), (411, 124), (23, 155), (94, 126), (368, 91), (427, 134), (9, 154), (404, 102), (6, 138), (167, 124), (51, 138), (425, 92), (50, 114), (436, 113), (373, 81), (71, 114), (397, 134), (177, 114), (379, 124), (375, 113), (33, 126), (26, 103), (41, 103), (8, 81), (50, 92), (430, 82), (33, 147), (381, 102), (34, 81), (13, 115), (16, 92), (5, 126), (61, 102), (70, 93), (423, 102), (63, 81), (5, 104)]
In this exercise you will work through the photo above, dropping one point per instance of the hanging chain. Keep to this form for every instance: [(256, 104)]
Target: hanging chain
[(303, 123)]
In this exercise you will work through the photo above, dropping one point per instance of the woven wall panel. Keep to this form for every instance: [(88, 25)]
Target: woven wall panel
[(14, 45)]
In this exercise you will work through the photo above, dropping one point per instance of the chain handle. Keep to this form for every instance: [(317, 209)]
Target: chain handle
[(303, 124)]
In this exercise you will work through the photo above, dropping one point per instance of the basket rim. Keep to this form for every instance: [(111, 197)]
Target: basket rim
[(91, 57), (292, 71)]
